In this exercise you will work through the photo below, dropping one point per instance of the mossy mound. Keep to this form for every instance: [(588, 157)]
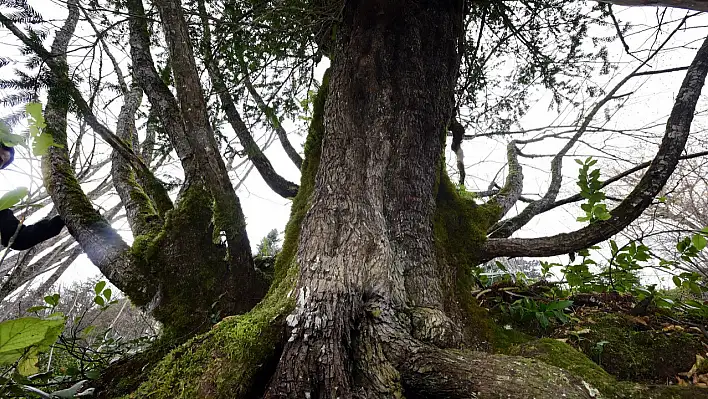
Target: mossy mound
[(560, 354), (630, 351)]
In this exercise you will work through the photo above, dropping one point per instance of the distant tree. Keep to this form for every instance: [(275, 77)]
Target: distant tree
[(270, 244)]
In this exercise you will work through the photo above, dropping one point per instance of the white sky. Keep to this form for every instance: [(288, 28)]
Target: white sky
[(265, 210)]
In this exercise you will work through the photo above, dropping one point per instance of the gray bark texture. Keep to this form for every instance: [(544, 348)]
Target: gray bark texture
[(371, 314)]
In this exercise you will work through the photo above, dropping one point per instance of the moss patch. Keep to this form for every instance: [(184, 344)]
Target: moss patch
[(459, 231), (505, 340), (227, 361), (629, 353), (301, 202), (562, 355), (192, 270)]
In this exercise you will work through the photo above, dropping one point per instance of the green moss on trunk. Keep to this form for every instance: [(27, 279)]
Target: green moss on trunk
[(459, 231), (236, 357), (230, 361), (301, 202)]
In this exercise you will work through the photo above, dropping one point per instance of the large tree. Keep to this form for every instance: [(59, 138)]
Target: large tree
[(371, 295)]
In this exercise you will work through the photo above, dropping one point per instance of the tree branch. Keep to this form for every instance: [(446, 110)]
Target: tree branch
[(161, 98), (677, 130), (55, 62), (97, 238), (506, 228), (617, 177), (698, 5), (282, 134), (458, 132), (511, 192), (139, 209), (276, 182), (212, 171)]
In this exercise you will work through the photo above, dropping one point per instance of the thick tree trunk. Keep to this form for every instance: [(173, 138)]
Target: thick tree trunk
[(372, 295)]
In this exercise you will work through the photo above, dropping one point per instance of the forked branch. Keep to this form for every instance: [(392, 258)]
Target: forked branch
[(507, 227), (677, 130)]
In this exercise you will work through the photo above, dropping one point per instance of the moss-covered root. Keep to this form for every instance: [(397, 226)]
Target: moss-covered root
[(562, 355), (233, 360)]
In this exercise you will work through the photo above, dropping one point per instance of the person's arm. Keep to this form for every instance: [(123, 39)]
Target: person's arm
[(32, 235), (8, 226)]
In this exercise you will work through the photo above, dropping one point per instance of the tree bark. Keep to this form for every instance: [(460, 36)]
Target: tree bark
[(372, 309), (367, 240)]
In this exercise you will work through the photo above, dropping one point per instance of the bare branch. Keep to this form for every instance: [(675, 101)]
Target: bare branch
[(458, 132), (139, 210), (677, 130), (511, 192), (97, 238), (282, 134), (506, 228), (698, 5), (276, 182), (55, 62)]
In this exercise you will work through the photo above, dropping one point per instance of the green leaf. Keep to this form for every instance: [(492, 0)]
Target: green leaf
[(93, 374), (18, 334), (99, 301), (27, 336), (34, 309), (41, 139), (695, 288), (52, 300), (699, 241), (559, 305), (604, 215), (28, 365), (542, 319), (561, 316), (7, 138), (500, 266), (676, 280), (34, 110), (99, 287), (12, 197), (88, 330), (614, 247), (41, 144), (107, 294)]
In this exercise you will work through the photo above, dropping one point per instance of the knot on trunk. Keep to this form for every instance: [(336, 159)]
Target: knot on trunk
[(434, 326)]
